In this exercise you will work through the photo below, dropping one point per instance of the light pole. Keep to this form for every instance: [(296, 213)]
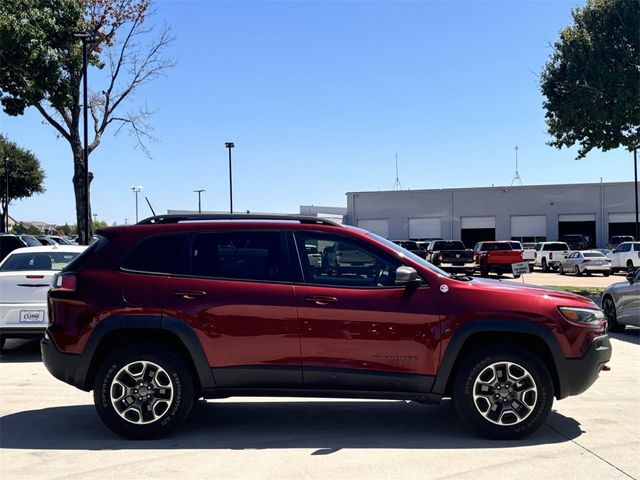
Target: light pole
[(230, 145), (136, 189), (86, 37), (199, 203)]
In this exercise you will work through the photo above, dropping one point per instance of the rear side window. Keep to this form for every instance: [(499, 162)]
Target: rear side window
[(159, 254), (238, 255), (38, 261)]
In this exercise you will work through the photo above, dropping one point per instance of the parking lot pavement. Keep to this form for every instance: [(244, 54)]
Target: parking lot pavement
[(555, 279), (50, 430)]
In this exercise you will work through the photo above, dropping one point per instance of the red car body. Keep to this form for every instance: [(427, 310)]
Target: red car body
[(292, 337), (496, 256)]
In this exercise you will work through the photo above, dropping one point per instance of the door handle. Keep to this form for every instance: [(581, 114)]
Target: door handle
[(320, 299), (189, 294)]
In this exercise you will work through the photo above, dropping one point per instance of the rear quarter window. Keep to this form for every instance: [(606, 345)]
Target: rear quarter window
[(158, 254)]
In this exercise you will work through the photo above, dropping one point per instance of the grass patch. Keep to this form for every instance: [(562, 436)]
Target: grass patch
[(585, 291)]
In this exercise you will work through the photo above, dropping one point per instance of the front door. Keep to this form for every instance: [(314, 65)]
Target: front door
[(358, 330), (238, 301)]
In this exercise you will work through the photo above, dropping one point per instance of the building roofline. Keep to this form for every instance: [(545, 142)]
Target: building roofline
[(496, 187)]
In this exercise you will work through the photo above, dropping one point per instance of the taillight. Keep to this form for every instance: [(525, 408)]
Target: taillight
[(64, 282)]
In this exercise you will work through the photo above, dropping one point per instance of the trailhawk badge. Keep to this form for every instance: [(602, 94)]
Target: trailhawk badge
[(444, 288)]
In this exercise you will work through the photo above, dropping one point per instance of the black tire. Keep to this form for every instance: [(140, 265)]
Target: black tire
[(479, 362), (176, 379), (606, 274), (609, 309), (2, 341), (545, 267), (630, 266), (561, 270), (577, 271), (516, 276), (484, 272)]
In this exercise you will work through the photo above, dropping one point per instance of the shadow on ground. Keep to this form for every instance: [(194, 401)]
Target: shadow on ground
[(19, 351), (631, 335), (326, 426)]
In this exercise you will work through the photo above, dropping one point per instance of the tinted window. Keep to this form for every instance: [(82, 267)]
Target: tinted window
[(30, 241), (593, 254), (556, 247), (343, 262), (238, 255), (159, 254), (516, 245), (636, 247), (625, 247), (495, 246), (444, 245)]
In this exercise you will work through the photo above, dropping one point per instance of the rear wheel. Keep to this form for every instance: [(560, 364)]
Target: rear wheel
[(503, 392), (143, 391), (561, 270), (609, 309), (2, 340), (606, 274), (545, 267)]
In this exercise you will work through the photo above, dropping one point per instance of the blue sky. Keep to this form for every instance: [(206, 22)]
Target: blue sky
[(318, 97)]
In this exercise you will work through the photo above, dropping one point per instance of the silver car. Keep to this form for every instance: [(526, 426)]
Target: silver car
[(621, 303), (588, 261)]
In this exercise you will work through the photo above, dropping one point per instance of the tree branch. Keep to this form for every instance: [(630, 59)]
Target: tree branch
[(53, 122)]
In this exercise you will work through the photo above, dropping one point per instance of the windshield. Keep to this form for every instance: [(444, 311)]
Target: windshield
[(38, 261), (406, 253)]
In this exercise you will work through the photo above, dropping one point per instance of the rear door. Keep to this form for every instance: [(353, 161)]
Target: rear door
[(239, 300), (358, 330)]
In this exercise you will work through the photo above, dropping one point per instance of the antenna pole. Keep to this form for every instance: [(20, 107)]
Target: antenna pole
[(397, 185), (516, 176)]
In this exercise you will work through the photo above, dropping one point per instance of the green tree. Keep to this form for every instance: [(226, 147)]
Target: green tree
[(592, 79), (24, 174), (20, 228), (42, 68)]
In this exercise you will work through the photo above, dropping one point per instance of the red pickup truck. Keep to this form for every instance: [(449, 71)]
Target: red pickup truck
[(496, 257)]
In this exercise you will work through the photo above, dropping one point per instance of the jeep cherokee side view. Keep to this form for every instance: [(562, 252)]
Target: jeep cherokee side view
[(155, 315)]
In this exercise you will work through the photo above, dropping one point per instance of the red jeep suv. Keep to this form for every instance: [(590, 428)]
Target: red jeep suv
[(155, 315)]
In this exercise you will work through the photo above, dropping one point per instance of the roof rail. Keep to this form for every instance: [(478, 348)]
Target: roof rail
[(177, 218)]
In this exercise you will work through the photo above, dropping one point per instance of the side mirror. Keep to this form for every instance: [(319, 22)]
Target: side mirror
[(630, 277), (407, 277)]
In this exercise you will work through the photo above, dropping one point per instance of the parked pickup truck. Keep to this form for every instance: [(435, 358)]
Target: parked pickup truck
[(528, 253), (412, 246), (550, 255), (450, 255), (496, 257)]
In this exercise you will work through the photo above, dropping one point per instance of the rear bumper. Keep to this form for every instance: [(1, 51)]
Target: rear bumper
[(576, 375), (457, 265), (68, 367), (21, 332)]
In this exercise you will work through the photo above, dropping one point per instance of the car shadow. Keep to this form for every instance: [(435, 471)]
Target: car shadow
[(325, 426), (631, 335), (20, 351)]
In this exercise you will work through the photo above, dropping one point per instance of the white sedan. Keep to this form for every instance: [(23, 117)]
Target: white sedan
[(25, 276), (588, 261)]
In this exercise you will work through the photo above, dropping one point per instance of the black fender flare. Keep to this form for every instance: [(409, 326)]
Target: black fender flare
[(467, 330), (178, 328)]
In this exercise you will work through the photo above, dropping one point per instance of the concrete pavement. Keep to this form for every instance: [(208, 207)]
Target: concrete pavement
[(50, 430)]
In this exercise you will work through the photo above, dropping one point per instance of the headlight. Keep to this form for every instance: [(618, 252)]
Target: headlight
[(584, 316)]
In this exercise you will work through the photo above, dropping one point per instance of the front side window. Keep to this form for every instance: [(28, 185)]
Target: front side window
[(341, 261), (238, 255)]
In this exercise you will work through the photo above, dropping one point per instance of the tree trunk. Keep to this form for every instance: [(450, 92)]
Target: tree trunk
[(84, 231)]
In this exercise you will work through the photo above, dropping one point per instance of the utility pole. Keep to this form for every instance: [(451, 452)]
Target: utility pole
[(136, 189), (6, 195), (230, 145)]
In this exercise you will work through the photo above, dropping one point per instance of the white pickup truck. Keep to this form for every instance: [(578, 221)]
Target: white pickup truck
[(528, 253), (549, 255), (625, 256)]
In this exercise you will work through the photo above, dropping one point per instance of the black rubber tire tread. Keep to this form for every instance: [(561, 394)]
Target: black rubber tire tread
[(612, 320), (178, 411), (474, 364), (545, 266)]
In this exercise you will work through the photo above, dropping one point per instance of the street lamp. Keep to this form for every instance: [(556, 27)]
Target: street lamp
[(87, 37), (136, 189), (199, 204), (230, 145)]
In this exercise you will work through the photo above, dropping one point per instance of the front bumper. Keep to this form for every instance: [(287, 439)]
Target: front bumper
[(459, 266), (575, 375), (68, 367)]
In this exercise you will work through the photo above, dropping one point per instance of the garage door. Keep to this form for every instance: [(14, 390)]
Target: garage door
[(420, 228), (478, 222), (622, 217), (581, 224), (622, 224), (377, 226), (587, 217), (529, 228)]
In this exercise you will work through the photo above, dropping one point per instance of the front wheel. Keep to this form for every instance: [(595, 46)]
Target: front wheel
[(143, 391), (577, 271), (503, 392), (630, 267), (609, 309)]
